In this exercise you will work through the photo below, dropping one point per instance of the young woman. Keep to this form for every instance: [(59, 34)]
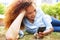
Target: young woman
[(22, 15), (13, 18)]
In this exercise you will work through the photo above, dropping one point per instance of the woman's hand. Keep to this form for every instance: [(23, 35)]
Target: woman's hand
[(46, 32), (23, 11), (39, 35)]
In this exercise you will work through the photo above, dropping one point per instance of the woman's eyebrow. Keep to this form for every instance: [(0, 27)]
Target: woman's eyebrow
[(33, 11)]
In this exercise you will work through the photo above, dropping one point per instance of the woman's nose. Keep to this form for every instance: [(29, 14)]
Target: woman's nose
[(34, 13)]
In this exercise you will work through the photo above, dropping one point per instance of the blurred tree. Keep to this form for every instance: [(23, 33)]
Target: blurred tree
[(53, 10), (2, 8)]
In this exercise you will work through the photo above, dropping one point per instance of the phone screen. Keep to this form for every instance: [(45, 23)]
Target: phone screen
[(41, 29)]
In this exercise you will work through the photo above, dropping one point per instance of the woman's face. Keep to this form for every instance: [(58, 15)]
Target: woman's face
[(30, 12)]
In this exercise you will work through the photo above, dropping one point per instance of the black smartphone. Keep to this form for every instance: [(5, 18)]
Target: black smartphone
[(41, 29)]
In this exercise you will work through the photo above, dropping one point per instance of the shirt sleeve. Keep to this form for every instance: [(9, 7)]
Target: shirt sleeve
[(46, 20)]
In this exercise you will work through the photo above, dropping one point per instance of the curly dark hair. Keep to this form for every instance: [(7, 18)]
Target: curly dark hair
[(13, 11)]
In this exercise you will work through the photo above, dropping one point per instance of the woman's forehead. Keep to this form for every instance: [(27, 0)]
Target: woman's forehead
[(31, 7)]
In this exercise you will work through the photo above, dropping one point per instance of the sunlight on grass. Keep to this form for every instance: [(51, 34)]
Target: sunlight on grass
[(53, 36)]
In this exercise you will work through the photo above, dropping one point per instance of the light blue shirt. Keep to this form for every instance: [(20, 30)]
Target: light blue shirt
[(40, 20)]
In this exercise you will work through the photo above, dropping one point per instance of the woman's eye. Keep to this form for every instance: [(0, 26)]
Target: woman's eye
[(31, 12)]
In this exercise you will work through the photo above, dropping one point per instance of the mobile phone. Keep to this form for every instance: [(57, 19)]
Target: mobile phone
[(41, 29)]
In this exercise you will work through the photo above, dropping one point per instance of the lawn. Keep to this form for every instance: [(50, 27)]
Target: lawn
[(53, 36)]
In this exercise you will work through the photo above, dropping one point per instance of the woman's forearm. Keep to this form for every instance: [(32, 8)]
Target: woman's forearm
[(48, 31), (15, 26)]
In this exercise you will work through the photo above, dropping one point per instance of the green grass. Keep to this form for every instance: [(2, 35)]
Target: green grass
[(53, 36)]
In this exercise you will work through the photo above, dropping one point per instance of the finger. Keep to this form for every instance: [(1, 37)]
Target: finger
[(41, 36), (40, 32)]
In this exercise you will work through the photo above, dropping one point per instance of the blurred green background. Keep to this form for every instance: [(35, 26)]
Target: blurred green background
[(50, 9), (2, 8), (53, 9)]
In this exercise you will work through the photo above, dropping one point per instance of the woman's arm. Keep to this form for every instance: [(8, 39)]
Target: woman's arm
[(47, 21), (48, 31), (15, 26)]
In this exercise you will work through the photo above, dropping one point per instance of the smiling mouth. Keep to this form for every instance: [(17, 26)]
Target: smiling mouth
[(32, 17)]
